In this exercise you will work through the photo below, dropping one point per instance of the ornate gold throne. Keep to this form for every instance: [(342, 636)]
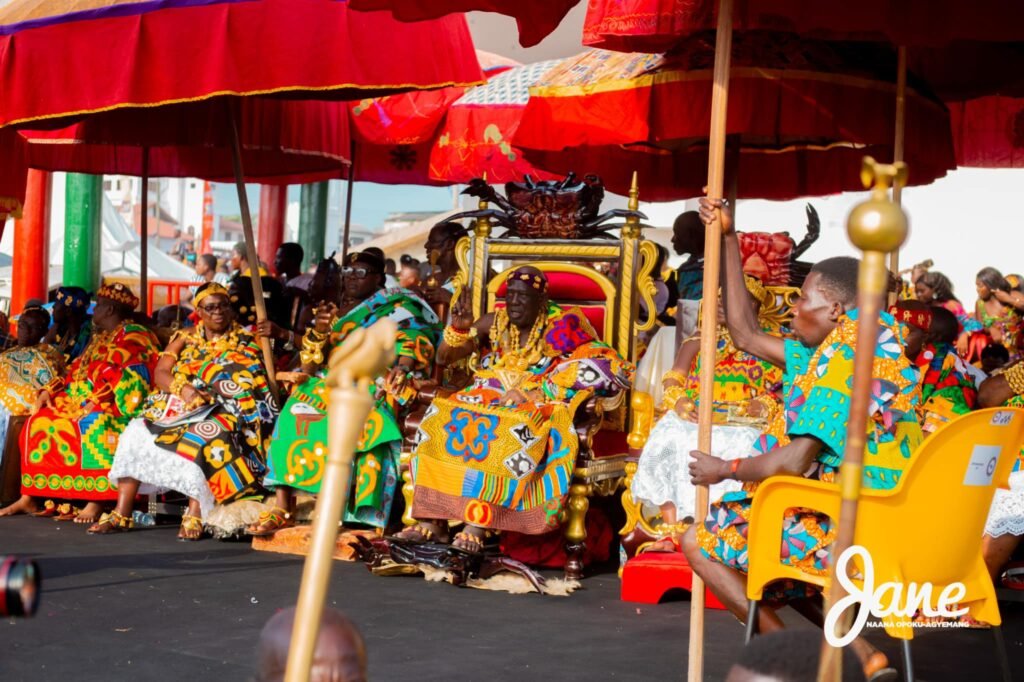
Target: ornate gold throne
[(644, 526), (611, 304)]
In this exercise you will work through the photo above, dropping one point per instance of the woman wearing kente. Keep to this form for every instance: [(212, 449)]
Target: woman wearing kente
[(947, 388), (27, 368), (299, 448), (808, 437), (204, 432), (68, 444), (72, 324), (499, 454), (744, 398)]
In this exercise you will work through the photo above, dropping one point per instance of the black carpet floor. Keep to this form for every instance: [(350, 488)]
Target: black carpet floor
[(142, 606)]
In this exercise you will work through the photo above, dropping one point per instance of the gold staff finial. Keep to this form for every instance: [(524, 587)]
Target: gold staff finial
[(632, 226), (878, 224)]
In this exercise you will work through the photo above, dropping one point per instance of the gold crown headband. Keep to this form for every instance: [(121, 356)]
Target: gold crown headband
[(118, 293), (538, 282), (211, 289)]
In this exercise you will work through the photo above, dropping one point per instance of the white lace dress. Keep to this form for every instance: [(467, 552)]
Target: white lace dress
[(663, 472), (1006, 515)]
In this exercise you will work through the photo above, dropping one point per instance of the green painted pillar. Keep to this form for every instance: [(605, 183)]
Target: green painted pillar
[(313, 221), (83, 230)]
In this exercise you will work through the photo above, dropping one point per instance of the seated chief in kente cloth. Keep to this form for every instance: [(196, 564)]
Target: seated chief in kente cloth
[(808, 437), (500, 454), (743, 398), (298, 451), (68, 444), (204, 432)]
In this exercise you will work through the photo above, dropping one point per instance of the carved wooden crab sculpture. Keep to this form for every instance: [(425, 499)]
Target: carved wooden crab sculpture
[(564, 209)]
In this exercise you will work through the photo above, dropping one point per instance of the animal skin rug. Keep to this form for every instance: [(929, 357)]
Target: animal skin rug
[(505, 582)]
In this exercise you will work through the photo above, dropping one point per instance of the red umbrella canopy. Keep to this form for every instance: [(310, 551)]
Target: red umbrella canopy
[(282, 141), (394, 134), (535, 18), (65, 60), (655, 25), (476, 138), (802, 115)]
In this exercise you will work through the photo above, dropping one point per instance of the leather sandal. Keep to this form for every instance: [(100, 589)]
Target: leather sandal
[(191, 528), (113, 522), (419, 534), (66, 512), (468, 543), (49, 509), (269, 522)]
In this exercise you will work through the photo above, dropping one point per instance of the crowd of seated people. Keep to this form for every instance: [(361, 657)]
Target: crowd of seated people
[(119, 405)]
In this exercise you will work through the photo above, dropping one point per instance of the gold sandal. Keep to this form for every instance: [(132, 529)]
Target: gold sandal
[(111, 523), (190, 524)]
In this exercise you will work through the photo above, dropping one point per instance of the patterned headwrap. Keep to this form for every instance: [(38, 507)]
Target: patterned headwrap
[(208, 289), (536, 280), (758, 290), (119, 293), (75, 298), (922, 319)]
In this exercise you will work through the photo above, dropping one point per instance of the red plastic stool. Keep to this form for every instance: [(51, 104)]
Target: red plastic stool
[(647, 577)]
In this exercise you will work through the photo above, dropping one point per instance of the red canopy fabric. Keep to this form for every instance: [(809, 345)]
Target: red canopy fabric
[(535, 18), (282, 141), (803, 114), (989, 132), (655, 25), (65, 60), (476, 138)]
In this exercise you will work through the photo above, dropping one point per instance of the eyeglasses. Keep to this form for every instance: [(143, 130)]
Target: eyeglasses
[(358, 273), (216, 307)]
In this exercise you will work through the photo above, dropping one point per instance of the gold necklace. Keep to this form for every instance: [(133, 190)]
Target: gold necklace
[(514, 356)]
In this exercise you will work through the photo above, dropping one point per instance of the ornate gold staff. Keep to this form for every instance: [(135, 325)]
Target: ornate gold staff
[(877, 227), (364, 355)]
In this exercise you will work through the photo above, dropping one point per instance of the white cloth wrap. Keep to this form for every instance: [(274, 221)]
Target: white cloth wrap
[(156, 469), (663, 472), (1006, 515)]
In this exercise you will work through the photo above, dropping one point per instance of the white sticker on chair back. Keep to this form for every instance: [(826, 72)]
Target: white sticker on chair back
[(1002, 418), (982, 465)]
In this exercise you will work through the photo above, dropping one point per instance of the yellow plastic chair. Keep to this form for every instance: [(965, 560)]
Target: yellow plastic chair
[(927, 529)]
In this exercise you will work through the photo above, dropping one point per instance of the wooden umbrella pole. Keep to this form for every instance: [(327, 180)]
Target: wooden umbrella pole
[(144, 225), (250, 254), (877, 227), (708, 337), (898, 146), (364, 355), (348, 200)]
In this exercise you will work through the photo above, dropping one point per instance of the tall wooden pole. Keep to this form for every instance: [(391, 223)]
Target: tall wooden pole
[(31, 266), (712, 265), (144, 229), (877, 226), (348, 200), (364, 355), (251, 255), (898, 146)]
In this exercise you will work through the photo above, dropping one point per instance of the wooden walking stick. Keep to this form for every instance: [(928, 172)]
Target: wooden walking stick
[(251, 256), (877, 226), (898, 147), (352, 367), (708, 336)]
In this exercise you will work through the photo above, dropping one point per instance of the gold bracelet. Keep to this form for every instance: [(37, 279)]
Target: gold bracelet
[(679, 377), (1015, 377), (672, 395), (456, 338), (180, 381), (173, 356)]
